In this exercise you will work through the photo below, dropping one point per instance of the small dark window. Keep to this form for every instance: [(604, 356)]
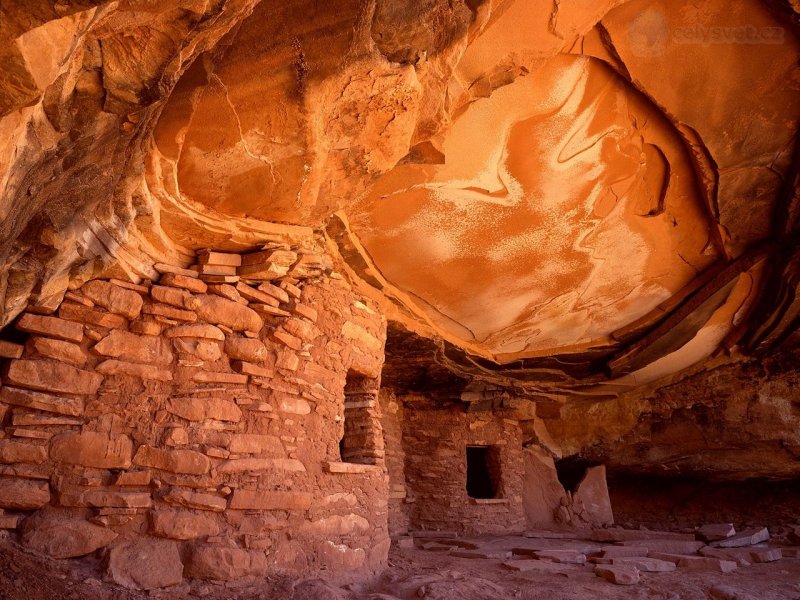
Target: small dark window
[(483, 472)]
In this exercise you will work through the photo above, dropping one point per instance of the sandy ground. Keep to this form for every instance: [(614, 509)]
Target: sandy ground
[(412, 573)]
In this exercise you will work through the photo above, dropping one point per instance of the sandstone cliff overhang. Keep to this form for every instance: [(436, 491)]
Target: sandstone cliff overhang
[(571, 199)]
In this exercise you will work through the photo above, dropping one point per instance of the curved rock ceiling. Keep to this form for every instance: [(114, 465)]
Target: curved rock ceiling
[(606, 189)]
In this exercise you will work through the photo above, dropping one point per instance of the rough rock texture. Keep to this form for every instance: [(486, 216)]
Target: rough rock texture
[(732, 420), (145, 564), (228, 463), (281, 280), (63, 538), (391, 134)]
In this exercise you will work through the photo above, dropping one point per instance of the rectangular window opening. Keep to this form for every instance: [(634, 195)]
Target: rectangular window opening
[(362, 439), (483, 472)]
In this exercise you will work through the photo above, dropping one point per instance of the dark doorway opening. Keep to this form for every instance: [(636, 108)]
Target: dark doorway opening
[(483, 472), (571, 471)]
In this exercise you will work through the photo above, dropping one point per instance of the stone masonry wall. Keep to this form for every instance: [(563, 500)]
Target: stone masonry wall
[(435, 443), (399, 499), (192, 429)]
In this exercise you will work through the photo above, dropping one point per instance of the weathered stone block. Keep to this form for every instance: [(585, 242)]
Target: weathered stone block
[(305, 311), (238, 348), (223, 564), (169, 312), (39, 420), (10, 350), (164, 268), (252, 443), (182, 281), (61, 537), (40, 401), (92, 449), (294, 405), (51, 327), (10, 521), (337, 525), (191, 499), (179, 298), (341, 557), (288, 340), (255, 295), (248, 368), (224, 270), (134, 348), (113, 298), (52, 377), (210, 257), (283, 258), (291, 289), (670, 546), (199, 409), (217, 310), (23, 494), (279, 294), (219, 377), (20, 452), (58, 350), (301, 329), (174, 461), (198, 330), (618, 534), (83, 314), (619, 574), (352, 468), (103, 498), (265, 500), (748, 537), (120, 367), (361, 337), (182, 524), (140, 288), (645, 565), (716, 531), (267, 311), (592, 495), (145, 564), (241, 465), (134, 478), (622, 551), (263, 271), (205, 350)]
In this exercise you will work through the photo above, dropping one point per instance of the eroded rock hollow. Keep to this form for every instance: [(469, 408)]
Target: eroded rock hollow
[(289, 286)]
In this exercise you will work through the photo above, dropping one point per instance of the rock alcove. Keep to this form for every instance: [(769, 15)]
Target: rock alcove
[(287, 287)]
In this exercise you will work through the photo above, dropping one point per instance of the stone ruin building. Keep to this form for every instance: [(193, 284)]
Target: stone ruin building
[(399, 298)]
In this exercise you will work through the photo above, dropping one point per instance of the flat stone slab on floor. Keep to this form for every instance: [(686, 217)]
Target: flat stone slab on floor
[(697, 562), (646, 565), (619, 574), (458, 553), (558, 535), (540, 566), (562, 556), (716, 531), (748, 537), (621, 551), (618, 534), (668, 546)]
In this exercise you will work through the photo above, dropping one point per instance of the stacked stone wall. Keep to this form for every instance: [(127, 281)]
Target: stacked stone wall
[(435, 442), (185, 428), (400, 501)]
